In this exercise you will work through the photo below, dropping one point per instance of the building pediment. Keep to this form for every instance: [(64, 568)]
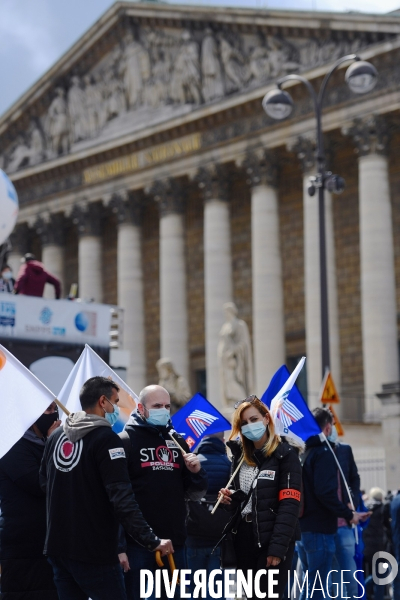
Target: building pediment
[(144, 64)]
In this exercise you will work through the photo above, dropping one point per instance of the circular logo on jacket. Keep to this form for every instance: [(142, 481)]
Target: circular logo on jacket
[(164, 454), (66, 454)]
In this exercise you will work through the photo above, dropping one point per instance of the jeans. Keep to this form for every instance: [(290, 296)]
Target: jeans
[(345, 551), (140, 558), (77, 580), (316, 551), (201, 558)]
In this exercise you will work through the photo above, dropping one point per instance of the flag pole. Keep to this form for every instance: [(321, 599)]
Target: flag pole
[(228, 484), (344, 480), (179, 446), (61, 405)]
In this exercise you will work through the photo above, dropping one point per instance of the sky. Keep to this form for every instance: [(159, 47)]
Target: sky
[(35, 33)]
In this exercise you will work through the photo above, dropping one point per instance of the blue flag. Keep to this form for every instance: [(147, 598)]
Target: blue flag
[(198, 418), (291, 414)]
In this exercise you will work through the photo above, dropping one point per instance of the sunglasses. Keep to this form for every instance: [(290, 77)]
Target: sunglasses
[(250, 399)]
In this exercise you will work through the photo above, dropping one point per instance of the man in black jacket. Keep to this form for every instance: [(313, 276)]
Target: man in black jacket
[(162, 479), (322, 508), (85, 474)]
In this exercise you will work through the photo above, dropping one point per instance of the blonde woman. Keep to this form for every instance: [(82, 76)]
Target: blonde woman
[(265, 521)]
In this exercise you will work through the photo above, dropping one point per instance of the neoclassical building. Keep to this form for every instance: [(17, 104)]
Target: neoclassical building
[(148, 173)]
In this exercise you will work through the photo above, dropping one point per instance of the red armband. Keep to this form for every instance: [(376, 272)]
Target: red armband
[(289, 493)]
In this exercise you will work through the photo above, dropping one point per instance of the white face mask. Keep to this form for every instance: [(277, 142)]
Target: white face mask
[(333, 435), (7, 275)]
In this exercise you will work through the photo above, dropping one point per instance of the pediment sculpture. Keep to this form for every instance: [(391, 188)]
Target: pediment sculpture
[(156, 74)]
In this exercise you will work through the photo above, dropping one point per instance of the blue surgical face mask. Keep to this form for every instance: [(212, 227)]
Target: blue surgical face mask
[(158, 416), (334, 435), (7, 275), (112, 418), (254, 431)]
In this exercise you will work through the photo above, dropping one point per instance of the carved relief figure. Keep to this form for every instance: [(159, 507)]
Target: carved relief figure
[(37, 145), (280, 57), (235, 357), (175, 384), (115, 96), (93, 107), (19, 156), (137, 71), (213, 86), (156, 92), (185, 83), (77, 110), (236, 73), (57, 125), (260, 67)]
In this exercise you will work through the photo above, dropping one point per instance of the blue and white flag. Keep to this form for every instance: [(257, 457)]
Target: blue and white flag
[(198, 418), (291, 415)]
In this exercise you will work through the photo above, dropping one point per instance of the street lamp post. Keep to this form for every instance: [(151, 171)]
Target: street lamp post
[(361, 77)]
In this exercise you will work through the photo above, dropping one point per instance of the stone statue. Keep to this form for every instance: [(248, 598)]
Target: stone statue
[(235, 357), (175, 384), (57, 129), (115, 96), (280, 56), (213, 85), (236, 72), (185, 82), (77, 110)]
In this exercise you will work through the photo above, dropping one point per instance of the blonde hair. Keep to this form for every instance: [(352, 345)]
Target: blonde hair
[(273, 439)]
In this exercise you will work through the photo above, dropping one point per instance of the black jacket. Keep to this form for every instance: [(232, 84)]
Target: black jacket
[(204, 529), (275, 498), (88, 493), (377, 533), (346, 460), (22, 502), (160, 479), (322, 506)]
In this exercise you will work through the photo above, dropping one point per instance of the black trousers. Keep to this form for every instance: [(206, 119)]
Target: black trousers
[(249, 557), (27, 579)]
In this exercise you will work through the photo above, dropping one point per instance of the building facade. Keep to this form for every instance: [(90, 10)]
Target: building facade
[(148, 173)]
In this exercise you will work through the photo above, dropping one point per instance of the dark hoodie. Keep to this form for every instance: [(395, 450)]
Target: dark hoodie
[(322, 506), (32, 278), (160, 478), (84, 473)]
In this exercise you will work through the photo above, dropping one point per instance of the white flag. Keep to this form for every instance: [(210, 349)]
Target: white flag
[(90, 365), (23, 399)]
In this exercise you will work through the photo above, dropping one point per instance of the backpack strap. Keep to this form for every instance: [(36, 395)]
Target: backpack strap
[(126, 442)]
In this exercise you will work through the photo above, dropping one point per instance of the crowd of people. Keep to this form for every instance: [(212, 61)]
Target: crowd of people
[(31, 278), (84, 510)]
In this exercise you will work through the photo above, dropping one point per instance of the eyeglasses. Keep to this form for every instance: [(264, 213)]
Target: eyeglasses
[(250, 399)]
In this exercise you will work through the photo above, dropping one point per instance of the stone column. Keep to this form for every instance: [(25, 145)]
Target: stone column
[(51, 231), (378, 292), (19, 246), (217, 268), (312, 290), (268, 306), (173, 287), (130, 285), (90, 282)]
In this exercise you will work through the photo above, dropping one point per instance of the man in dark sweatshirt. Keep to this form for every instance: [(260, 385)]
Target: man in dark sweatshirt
[(322, 508), (84, 473), (162, 479), (32, 277)]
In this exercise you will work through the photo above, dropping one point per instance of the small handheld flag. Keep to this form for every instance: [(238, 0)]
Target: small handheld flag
[(198, 418), (291, 415), (89, 365), (25, 398)]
